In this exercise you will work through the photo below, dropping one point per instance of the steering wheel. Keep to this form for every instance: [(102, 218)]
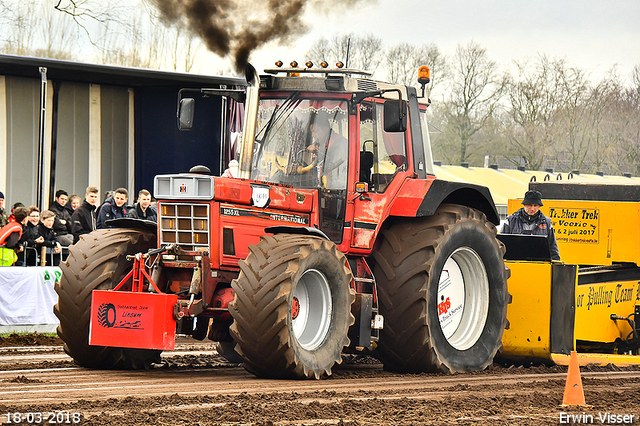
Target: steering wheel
[(300, 167)]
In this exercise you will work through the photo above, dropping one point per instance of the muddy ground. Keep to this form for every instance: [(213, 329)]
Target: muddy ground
[(203, 389)]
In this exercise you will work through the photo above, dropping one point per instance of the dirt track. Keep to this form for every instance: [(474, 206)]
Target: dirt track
[(194, 386)]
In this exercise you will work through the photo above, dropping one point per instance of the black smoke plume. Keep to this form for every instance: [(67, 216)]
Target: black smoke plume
[(237, 27)]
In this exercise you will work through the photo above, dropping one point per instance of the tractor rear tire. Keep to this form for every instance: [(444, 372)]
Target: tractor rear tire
[(292, 308), (442, 289), (97, 262)]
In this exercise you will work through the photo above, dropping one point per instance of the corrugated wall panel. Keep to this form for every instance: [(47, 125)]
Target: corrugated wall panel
[(115, 133), (23, 105), (72, 153)]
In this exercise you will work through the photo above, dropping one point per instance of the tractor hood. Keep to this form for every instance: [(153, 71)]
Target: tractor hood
[(196, 187)]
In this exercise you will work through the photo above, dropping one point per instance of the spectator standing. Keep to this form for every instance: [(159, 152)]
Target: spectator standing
[(11, 234), (46, 231), (113, 208), (4, 218), (13, 208), (84, 217), (142, 209), (31, 237), (63, 221)]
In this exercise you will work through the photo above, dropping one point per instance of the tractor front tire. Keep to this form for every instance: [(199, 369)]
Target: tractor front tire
[(292, 308), (226, 350), (98, 262), (442, 287)]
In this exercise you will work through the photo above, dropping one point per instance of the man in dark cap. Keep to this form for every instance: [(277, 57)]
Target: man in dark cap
[(529, 220)]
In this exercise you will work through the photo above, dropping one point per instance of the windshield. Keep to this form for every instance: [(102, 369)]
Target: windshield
[(301, 142)]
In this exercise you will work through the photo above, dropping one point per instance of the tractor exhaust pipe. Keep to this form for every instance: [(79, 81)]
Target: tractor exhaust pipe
[(251, 115)]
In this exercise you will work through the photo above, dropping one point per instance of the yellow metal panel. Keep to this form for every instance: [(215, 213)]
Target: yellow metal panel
[(529, 313), (593, 232), (598, 359), (594, 305)]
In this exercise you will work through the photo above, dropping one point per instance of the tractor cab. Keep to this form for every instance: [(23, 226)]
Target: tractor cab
[(334, 130)]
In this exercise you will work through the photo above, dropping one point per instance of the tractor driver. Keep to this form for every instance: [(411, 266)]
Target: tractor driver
[(529, 220), (332, 150)]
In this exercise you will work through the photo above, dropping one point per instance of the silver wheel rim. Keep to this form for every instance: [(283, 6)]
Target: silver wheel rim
[(463, 298), (311, 309)]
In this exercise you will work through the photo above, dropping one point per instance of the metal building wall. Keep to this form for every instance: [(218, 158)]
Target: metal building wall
[(114, 138), (72, 153), (92, 137), (91, 144), (106, 135), (22, 112)]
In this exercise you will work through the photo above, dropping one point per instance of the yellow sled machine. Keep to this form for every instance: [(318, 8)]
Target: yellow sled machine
[(588, 302)]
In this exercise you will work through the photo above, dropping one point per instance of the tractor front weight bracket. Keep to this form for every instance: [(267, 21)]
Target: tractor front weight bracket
[(134, 319), (139, 271)]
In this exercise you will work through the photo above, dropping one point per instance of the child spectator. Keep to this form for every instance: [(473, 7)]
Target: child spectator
[(30, 237), (45, 229), (73, 203)]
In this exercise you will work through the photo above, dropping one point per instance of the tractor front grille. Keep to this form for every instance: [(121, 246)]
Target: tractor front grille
[(184, 224)]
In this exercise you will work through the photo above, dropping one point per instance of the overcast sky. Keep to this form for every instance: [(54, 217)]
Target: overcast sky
[(593, 35)]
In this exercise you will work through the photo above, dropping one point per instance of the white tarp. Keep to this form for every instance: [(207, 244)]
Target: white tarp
[(27, 295)]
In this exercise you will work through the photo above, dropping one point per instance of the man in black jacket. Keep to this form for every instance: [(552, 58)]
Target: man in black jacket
[(529, 220), (63, 222), (142, 209), (84, 217), (113, 208)]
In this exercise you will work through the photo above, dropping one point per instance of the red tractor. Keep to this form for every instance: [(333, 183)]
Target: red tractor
[(334, 236)]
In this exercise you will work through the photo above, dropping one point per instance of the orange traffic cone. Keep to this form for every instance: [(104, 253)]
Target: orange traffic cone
[(573, 392)]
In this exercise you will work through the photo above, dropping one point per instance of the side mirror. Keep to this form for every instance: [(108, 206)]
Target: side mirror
[(186, 111), (395, 115)]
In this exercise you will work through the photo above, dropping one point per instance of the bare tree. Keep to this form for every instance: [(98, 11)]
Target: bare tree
[(532, 102), (18, 35), (56, 34), (576, 114), (113, 13), (182, 47), (192, 48), (404, 60), (635, 82), (358, 52), (474, 90), (369, 52), (624, 123)]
